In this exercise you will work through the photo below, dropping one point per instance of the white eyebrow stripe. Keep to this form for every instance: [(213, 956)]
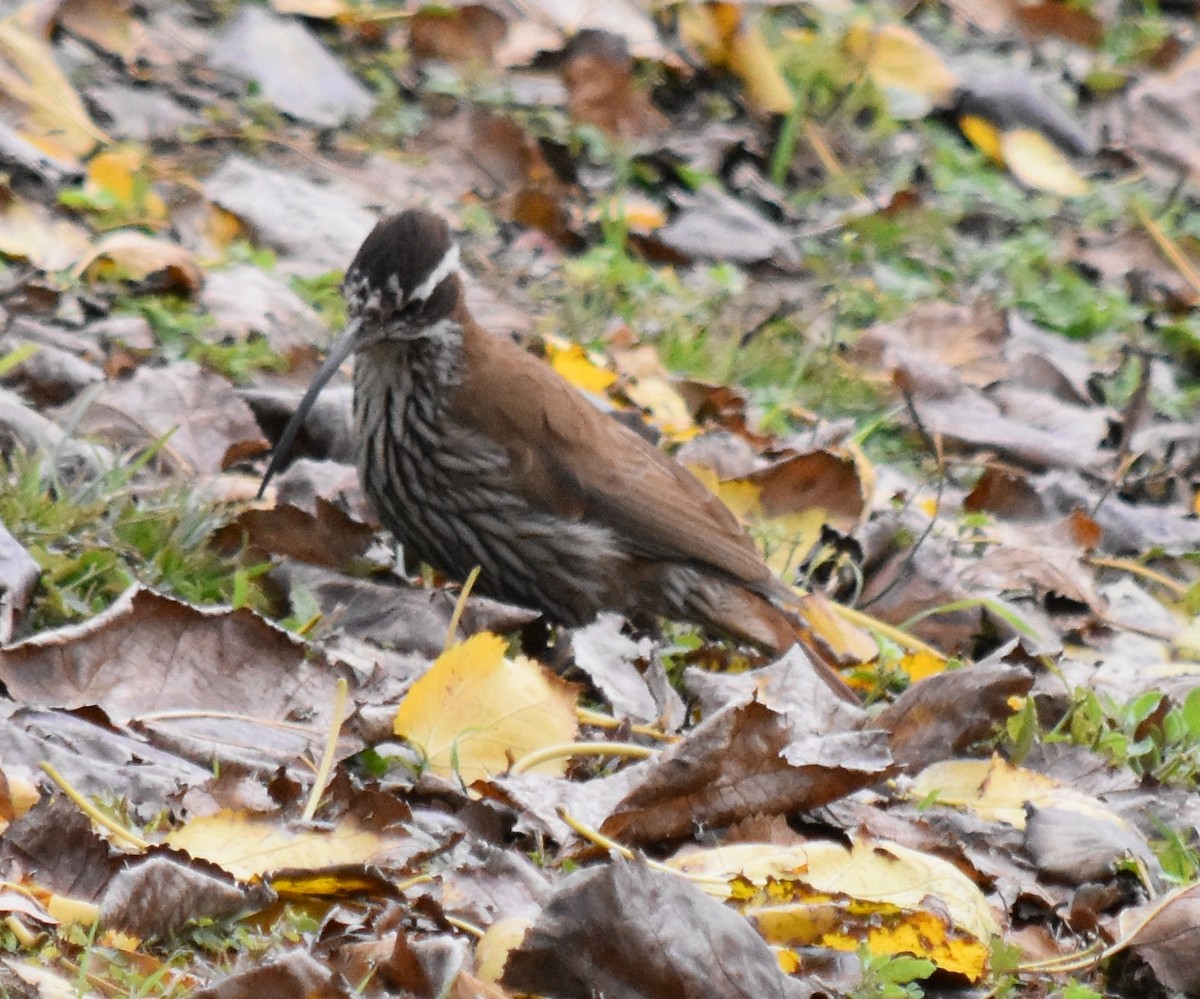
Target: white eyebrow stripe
[(447, 266)]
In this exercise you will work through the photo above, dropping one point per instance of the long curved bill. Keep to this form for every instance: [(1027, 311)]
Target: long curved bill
[(341, 350)]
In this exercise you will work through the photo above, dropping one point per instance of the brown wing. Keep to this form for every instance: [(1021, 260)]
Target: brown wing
[(582, 464)]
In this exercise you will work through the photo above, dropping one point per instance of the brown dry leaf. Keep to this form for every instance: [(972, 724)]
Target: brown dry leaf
[(903, 65), (1165, 933), (969, 339), (893, 899), (246, 846), (150, 653), (1006, 494), (1046, 564), (470, 33), (602, 90), (158, 896), (319, 228), (611, 660), (30, 231), (294, 974), (1033, 428), (712, 224), (839, 481), (670, 940), (209, 426), (110, 25), (1067, 851), (19, 575), (57, 840), (949, 712), (1038, 163), (129, 255), (55, 119), (725, 37), (497, 156), (476, 711), (1162, 120), (328, 537), (751, 759), (1058, 19)]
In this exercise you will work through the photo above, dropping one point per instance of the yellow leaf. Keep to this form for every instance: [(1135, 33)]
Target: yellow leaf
[(322, 9), (500, 940), (121, 173), (222, 227), (895, 899), (983, 135), (246, 846), (28, 231), (743, 498), (724, 38), (898, 60), (766, 89), (475, 710), (1039, 163), (56, 120), (998, 792), (639, 213), (922, 664), (668, 411), (846, 642), (128, 255), (572, 362), (73, 910)]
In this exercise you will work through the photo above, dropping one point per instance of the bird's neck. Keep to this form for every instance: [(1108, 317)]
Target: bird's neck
[(427, 364)]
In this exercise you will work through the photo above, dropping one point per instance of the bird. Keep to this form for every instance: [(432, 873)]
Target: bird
[(474, 452)]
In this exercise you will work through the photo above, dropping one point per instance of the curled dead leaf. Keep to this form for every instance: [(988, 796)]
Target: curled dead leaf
[(128, 255)]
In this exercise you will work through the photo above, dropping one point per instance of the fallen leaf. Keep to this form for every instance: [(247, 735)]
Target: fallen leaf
[(949, 712), (572, 362), (999, 792), (1038, 163), (56, 120), (749, 759), (671, 940), (122, 173), (30, 231), (207, 427), (476, 711), (159, 895), (129, 255), (726, 37), (602, 89), (893, 899), (110, 25), (1165, 933), (246, 846), (903, 65), (470, 33)]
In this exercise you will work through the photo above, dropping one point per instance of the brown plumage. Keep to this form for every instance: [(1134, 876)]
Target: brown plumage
[(473, 452)]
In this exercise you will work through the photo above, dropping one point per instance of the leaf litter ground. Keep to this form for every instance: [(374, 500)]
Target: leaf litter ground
[(914, 293)]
